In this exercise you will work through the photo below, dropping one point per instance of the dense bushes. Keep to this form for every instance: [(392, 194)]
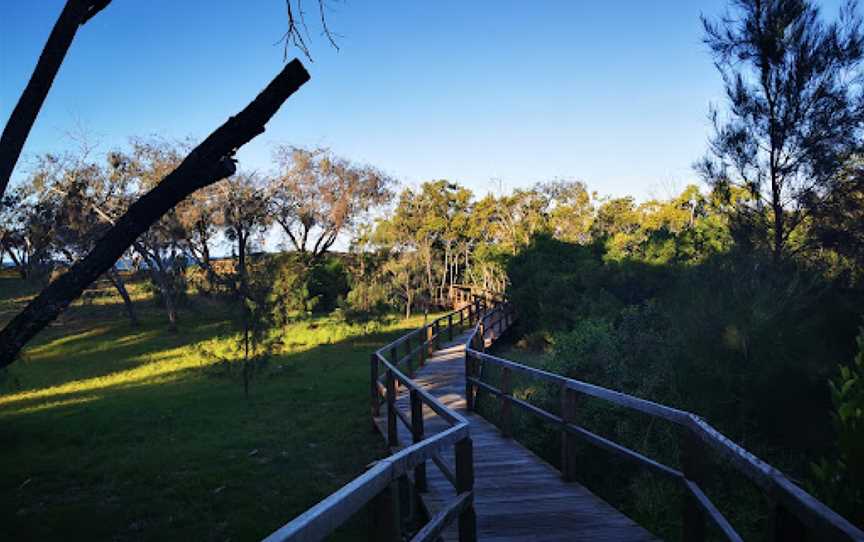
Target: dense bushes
[(747, 343)]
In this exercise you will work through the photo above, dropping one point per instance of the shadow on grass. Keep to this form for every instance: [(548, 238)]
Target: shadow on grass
[(183, 454)]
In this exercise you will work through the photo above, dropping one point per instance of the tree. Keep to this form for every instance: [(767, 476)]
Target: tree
[(571, 212), (839, 223), (199, 217), (29, 234), (795, 110), (210, 161), (522, 215), (318, 195), (85, 199), (405, 270), (207, 163), (161, 246), (244, 215)]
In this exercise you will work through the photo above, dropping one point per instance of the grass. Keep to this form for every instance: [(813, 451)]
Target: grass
[(113, 432)]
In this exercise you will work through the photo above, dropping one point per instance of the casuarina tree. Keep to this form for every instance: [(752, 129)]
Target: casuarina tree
[(795, 112)]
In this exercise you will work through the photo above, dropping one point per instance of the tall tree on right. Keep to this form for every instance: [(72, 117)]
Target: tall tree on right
[(794, 88)]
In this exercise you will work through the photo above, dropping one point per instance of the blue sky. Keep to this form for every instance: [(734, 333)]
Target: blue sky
[(613, 93)]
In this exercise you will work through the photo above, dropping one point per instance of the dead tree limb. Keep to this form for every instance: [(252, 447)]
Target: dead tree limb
[(210, 161), (75, 14)]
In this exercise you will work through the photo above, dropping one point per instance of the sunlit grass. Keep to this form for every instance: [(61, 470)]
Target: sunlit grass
[(117, 432)]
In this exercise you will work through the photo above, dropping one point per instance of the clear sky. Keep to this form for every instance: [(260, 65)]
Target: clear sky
[(613, 93)]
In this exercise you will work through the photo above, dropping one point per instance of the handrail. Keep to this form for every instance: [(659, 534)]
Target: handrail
[(379, 484), (795, 512)]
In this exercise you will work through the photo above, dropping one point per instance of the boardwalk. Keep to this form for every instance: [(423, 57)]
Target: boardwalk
[(518, 496)]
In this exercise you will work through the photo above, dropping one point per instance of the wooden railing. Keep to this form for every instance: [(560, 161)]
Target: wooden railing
[(795, 514), (393, 366)]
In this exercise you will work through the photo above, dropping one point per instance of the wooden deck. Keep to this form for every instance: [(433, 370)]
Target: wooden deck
[(518, 496)]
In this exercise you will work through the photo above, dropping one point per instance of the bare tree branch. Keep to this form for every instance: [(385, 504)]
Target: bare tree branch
[(75, 13), (210, 161)]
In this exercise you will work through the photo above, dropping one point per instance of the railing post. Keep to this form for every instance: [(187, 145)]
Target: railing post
[(417, 436), (469, 387), (409, 356), (375, 396), (693, 466), (392, 429), (385, 522), (422, 346), (506, 405), (568, 440), (450, 327), (461, 318), (783, 525), (437, 339), (465, 482), (430, 345), (481, 334)]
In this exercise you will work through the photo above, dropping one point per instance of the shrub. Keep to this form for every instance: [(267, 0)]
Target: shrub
[(840, 481)]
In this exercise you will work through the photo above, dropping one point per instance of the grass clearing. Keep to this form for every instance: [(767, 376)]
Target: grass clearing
[(114, 432)]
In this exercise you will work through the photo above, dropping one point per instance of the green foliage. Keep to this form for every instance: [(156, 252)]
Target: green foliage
[(327, 283), (290, 295), (735, 337), (840, 481), (556, 284), (172, 282), (369, 300)]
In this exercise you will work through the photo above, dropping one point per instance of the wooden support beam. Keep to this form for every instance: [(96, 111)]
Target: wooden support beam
[(375, 400), (469, 388), (424, 349), (392, 429), (409, 356), (384, 524), (506, 406), (430, 333), (417, 433), (464, 483), (783, 526), (693, 457), (569, 400)]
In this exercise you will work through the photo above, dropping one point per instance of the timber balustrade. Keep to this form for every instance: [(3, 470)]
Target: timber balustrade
[(794, 514), (392, 367)]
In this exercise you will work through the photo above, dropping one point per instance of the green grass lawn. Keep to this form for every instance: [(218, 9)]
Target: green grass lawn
[(114, 432)]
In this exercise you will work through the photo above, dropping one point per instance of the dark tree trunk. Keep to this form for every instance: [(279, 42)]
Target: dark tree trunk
[(207, 163), (207, 265), (120, 286), (241, 262), (17, 263), (75, 13), (160, 275)]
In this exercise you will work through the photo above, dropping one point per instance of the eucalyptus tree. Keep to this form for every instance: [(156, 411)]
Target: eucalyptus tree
[(317, 195), (210, 161), (199, 216), (794, 90), (571, 211), (12, 229), (86, 198), (430, 222), (245, 217)]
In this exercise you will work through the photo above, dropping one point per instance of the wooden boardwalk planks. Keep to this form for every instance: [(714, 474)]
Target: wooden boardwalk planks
[(518, 496)]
